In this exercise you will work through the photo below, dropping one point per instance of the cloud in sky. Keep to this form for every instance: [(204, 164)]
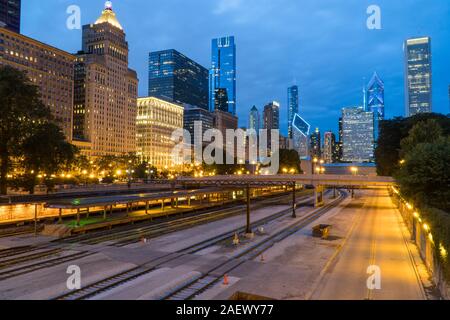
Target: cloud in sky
[(322, 45)]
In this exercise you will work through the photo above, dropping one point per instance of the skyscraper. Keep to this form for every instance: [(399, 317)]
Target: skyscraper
[(315, 144), (10, 14), (105, 90), (358, 134), (329, 141), (375, 97), (155, 122), (176, 78), (194, 114), (292, 108), (271, 119), (254, 121), (49, 68), (222, 76), (418, 76)]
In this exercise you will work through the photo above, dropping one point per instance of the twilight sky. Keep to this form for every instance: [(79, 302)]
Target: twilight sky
[(323, 46)]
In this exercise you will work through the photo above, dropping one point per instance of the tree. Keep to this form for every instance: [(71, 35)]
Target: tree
[(423, 132), (425, 177), (21, 111), (289, 159), (392, 132), (48, 152)]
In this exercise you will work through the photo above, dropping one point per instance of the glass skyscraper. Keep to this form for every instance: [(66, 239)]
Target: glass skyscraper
[(222, 76), (418, 76), (358, 135), (176, 78), (315, 144), (292, 108), (375, 96), (254, 122), (10, 14)]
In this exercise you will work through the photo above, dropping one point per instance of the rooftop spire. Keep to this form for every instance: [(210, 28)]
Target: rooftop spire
[(109, 16)]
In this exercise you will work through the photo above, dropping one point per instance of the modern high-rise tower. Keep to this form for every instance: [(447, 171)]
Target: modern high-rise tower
[(418, 76), (10, 14), (358, 135), (293, 103), (271, 120), (222, 76), (105, 99), (254, 121), (176, 78), (375, 96)]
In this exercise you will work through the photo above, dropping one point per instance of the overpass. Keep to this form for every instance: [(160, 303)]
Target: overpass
[(319, 181), (337, 181)]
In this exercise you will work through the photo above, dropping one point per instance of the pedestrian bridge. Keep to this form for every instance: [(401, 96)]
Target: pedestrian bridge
[(343, 181)]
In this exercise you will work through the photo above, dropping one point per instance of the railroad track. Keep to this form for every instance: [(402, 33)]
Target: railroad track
[(132, 234), (109, 283), (41, 265), (216, 274), (34, 256)]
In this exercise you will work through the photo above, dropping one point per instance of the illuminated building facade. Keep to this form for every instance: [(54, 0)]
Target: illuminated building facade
[(293, 103), (222, 76), (48, 68), (254, 120), (358, 135), (329, 148), (271, 120), (105, 90), (316, 144), (176, 78), (418, 76), (156, 120)]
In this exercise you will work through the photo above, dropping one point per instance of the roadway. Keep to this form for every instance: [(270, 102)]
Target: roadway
[(377, 238)]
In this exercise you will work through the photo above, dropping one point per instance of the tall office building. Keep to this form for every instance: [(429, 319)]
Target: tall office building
[(176, 78), (254, 121), (340, 144), (375, 97), (222, 76), (194, 114), (315, 144), (358, 134), (48, 68), (10, 14), (293, 103), (105, 90), (329, 149), (418, 76), (155, 122), (271, 120)]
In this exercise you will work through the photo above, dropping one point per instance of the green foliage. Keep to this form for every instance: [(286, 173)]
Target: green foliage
[(423, 132), (289, 159), (21, 111), (439, 222), (392, 132), (425, 175)]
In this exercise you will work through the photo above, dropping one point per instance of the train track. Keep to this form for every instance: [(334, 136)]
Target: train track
[(132, 234), (41, 265), (216, 274), (114, 281)]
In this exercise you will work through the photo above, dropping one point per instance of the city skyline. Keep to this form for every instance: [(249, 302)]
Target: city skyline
[(286, 61)]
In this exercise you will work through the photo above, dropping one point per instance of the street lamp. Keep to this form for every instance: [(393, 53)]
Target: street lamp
[(354, 170)]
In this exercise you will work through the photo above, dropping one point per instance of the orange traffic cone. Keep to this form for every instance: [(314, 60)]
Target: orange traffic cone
[(225, 280)]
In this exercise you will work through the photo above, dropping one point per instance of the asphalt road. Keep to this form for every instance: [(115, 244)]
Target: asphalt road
[(377, 239)]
